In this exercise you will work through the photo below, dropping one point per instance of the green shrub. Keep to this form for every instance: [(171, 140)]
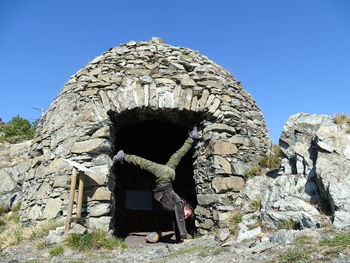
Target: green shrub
[(57, 251), (17, 130)]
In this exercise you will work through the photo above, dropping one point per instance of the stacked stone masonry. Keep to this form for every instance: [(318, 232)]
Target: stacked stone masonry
[(162, 81)]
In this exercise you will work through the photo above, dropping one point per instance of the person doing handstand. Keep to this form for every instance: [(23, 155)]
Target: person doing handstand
[(164, 192)]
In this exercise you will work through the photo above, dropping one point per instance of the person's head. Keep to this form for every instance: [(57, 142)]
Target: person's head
[(188, 211)]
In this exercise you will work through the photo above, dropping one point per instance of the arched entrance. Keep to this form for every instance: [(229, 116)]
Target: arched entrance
[(156, 140)]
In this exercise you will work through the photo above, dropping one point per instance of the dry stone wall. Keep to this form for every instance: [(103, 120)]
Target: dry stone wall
[(149, 80)]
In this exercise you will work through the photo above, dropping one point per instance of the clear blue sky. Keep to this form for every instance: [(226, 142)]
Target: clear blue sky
[(290, 55)]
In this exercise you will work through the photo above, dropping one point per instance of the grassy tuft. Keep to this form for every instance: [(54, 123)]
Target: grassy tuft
[(13, 217), (57, 251), (255, 205), (303, 239), (273, 159), (3, 210), (287, 224), (95, 240), (341, 241), (253, 171), (269, 161), (341, 118), (235, 219), (296, 254), (2, 223), (253, 226), (16, 208)]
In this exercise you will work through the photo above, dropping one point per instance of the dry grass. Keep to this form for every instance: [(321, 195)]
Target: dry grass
[(235, 219), (255, 205), (13, 233), (273, 159), (268, 162), (287, 224), (254, 170), (341, 118)]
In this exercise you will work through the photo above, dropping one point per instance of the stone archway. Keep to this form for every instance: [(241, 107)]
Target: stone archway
[(154, 135)]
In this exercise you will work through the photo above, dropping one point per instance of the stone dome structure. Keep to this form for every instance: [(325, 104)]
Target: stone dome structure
[(142, 98)]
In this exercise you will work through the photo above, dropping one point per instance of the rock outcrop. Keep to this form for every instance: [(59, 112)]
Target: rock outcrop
[(14, 166), (311, 188)]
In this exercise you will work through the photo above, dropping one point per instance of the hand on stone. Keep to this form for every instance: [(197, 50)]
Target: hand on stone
[(193, 134), (119, 157)]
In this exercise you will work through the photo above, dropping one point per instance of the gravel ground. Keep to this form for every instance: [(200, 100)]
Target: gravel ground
[(201, 250)]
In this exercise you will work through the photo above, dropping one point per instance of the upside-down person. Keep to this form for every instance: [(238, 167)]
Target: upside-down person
[(164, 192)]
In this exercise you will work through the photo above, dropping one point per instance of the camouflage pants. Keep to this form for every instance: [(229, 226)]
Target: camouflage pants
[(164, 173)]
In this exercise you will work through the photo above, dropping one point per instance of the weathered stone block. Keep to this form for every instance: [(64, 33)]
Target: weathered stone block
[(99, 194), (52, 208), (224, 217), (237, 139), (220, 127), (221, 148), (35, 213), (210, 199), (187, 82), (221, 165), (61, 181), (100, 210), (92, 146), (206, 224), (56, 166), (203, 100), (225, 184), (202, 211), (99, 176), (214, 106), (104, 132), (99, 223)]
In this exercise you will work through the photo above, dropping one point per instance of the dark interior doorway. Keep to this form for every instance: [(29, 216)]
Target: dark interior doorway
[(136, 209)]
